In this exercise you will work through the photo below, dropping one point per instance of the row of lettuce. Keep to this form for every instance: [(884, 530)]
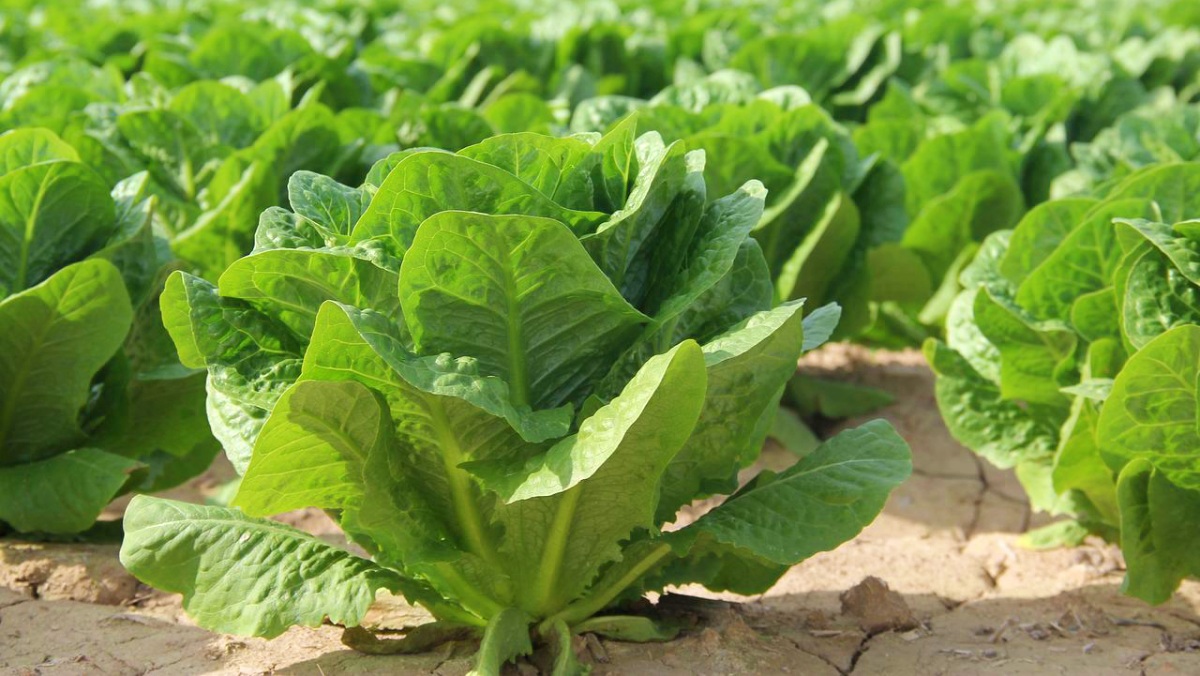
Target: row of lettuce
[(259, 179), (1073, 355), (892, 136)]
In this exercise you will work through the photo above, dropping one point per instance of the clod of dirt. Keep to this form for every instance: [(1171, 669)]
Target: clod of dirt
[(66, 572), (877, 608)]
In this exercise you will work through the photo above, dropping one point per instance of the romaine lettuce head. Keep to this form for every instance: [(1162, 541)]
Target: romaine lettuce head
[(1072, 355), (93, 402), (503, 371)]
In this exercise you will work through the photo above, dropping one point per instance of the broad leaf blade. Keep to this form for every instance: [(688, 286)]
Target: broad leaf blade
[(514, 292), (54, 337), (64, 493), (829, 496), (246, 576)]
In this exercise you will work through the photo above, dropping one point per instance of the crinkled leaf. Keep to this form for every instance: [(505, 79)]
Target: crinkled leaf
[(290, 286), (1152, 412), (507, 290), (823, 500), (427, 183), (246, 576)]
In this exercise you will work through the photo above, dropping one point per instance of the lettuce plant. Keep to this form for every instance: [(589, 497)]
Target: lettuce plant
[(1072, 356), (93, 403), (504, 372)]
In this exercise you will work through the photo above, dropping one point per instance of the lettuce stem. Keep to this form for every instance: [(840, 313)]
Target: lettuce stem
[(596, 601), (466, 508), (466, 594), (556, 545)]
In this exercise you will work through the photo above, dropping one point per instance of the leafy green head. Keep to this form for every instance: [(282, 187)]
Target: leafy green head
[(503, 371), (93, 402), (1072, 356)]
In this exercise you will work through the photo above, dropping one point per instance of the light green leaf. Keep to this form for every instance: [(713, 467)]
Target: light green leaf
[(1157, 298), (246, 576), (592, 490), (1175, 189), (364, 345), (505, 639), (1152, 412), (506, 290), (1002, 431), (1177, 242), (1078, 465), (64, 493), (1082, 263), (1030, 354), (426, 183), (1039, 233), (314, 448), (290, 285), (330, 445), (21, 148), (332, 207), (219, 113), (559, 168)]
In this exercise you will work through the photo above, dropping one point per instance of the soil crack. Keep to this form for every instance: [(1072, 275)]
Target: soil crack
[(977, 507), (858, 653), (951, 476), (830, 662)]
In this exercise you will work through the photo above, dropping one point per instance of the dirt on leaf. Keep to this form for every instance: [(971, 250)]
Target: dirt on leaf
[(937, 585)]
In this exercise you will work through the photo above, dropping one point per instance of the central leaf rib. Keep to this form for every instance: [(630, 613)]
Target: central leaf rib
[(518, 367), (466, 507), (551, 564)]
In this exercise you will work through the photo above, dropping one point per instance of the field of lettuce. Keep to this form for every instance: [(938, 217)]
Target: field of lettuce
[(519, 336)]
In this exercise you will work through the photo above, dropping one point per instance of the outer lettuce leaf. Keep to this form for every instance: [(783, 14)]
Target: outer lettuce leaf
[(246, 575), (64, 493), (56, 336)]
